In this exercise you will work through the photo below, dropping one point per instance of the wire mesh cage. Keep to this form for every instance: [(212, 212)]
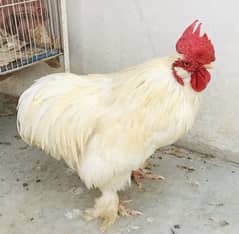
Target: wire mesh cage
[(30, 32)]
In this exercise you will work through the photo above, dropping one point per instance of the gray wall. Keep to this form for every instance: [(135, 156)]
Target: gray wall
[(107, 35)]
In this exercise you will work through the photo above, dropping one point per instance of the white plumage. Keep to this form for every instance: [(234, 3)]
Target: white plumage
[(105, 126)]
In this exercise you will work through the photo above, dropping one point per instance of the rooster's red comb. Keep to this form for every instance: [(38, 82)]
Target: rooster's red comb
[(195, 47)]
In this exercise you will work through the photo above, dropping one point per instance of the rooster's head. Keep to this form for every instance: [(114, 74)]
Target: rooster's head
[(197, 56)]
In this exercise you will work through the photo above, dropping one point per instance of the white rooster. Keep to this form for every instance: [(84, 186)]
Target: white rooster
[(106, 125)]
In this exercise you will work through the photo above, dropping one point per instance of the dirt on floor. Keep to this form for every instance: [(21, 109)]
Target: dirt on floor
[(7, 105)]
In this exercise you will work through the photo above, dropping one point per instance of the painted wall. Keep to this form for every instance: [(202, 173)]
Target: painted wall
[(108, 35)]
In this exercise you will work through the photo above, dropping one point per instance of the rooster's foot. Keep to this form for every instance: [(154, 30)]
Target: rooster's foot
[(106, 208), (144, 174), (125, 211)]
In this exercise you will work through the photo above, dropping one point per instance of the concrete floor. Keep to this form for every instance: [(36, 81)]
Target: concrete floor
[(42, 196)]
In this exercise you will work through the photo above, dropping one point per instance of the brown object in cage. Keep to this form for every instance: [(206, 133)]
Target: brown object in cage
[(29, 33)]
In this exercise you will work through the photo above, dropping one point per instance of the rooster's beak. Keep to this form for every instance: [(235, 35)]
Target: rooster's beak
[(209, 66)]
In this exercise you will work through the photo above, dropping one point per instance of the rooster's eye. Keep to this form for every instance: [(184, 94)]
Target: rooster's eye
[(186, 64)]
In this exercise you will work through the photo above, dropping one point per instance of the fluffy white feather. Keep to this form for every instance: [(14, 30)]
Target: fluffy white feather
[(105, 126)]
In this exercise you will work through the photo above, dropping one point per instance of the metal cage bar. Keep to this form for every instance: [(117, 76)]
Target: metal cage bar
[(32, 31), (65, 37)]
